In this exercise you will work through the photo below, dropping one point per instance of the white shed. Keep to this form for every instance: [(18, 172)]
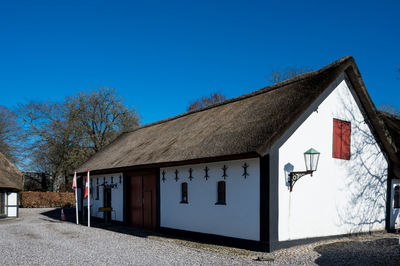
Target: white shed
[(10, 184)]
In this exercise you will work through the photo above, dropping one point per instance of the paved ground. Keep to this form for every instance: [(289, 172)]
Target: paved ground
[(38, 238)]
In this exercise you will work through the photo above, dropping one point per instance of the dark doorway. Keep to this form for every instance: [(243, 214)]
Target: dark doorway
[(107, 203), (142, 210), (2, 204)]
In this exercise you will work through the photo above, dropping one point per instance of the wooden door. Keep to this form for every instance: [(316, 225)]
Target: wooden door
[(147, 210), (149, 198), (142, 210)]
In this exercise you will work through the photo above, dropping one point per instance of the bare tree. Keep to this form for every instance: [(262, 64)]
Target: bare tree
[(282, 75), (103, 116), (10, 134), (62, 135), (54, 137), (389, 109), (214, 97)]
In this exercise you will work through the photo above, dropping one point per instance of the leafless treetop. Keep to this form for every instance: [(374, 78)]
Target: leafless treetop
[(214, 97)]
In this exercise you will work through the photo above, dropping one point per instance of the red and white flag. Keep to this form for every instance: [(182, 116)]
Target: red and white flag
[(87, 186), (74, 182)]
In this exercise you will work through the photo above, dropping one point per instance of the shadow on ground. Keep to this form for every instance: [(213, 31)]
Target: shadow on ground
[(383, 251), (123, 229), (115, 227)]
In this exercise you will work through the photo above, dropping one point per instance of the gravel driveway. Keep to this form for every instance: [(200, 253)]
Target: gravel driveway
[(37, 239)]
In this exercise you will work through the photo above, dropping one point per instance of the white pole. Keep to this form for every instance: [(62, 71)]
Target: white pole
[(88, 199), (76, 199)]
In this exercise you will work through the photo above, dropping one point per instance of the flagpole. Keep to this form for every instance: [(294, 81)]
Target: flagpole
[(76, 199), (88, 173)]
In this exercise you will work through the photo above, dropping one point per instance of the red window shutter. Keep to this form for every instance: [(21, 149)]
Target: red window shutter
[(337, 138), (346, 132), (341, 139)]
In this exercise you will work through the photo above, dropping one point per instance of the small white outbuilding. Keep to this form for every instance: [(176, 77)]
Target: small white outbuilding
[(10, 184)]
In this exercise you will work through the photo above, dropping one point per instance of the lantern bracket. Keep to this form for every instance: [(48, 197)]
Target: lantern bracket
[(109, 186), (294, 176)]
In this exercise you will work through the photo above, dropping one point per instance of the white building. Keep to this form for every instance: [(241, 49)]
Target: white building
[(10, 184), (230, 171)]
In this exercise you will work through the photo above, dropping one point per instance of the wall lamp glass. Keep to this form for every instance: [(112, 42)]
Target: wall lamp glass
[(311, 158)]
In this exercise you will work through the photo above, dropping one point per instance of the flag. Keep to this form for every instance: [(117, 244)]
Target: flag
[(87, 185), (74, 182), (76, 197)]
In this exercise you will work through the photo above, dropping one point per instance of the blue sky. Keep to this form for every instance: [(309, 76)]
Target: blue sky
[(160, 55)]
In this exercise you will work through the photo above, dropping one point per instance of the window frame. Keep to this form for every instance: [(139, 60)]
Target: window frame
[(221, 193), (184, 193)]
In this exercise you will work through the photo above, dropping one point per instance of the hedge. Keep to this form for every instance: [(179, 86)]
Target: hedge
[(30, 199)]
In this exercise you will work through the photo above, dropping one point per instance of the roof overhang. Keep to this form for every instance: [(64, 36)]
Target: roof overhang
[(171, 164)]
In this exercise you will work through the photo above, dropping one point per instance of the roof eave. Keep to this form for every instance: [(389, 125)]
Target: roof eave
[(171, 164)]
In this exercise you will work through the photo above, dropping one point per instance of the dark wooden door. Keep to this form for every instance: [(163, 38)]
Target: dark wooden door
[(136, 208), (147, 210), (143, 201)]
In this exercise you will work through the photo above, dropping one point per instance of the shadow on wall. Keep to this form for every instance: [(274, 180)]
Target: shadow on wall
[(376, 252), (365, 185), (288, 168)]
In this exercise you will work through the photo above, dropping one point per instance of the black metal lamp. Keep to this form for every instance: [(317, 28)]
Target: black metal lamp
[(311, 158)]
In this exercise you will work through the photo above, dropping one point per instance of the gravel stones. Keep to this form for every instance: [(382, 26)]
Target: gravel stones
[(37, 239)]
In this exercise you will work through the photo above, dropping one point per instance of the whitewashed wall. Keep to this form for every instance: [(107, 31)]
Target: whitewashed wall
[(12, 200), (239, 218), (117, 194), (394, 213), (343, 196)]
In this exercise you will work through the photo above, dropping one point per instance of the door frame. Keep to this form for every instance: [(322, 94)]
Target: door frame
[(127, 193)]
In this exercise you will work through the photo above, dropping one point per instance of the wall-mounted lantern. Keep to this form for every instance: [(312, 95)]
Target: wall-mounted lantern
[(311, 158)]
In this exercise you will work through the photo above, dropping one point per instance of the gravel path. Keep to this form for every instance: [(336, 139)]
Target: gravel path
[(37, 239)]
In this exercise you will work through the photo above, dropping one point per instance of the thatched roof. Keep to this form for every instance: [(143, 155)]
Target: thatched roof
[(10, 176), (392, 123), (249, 124)]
